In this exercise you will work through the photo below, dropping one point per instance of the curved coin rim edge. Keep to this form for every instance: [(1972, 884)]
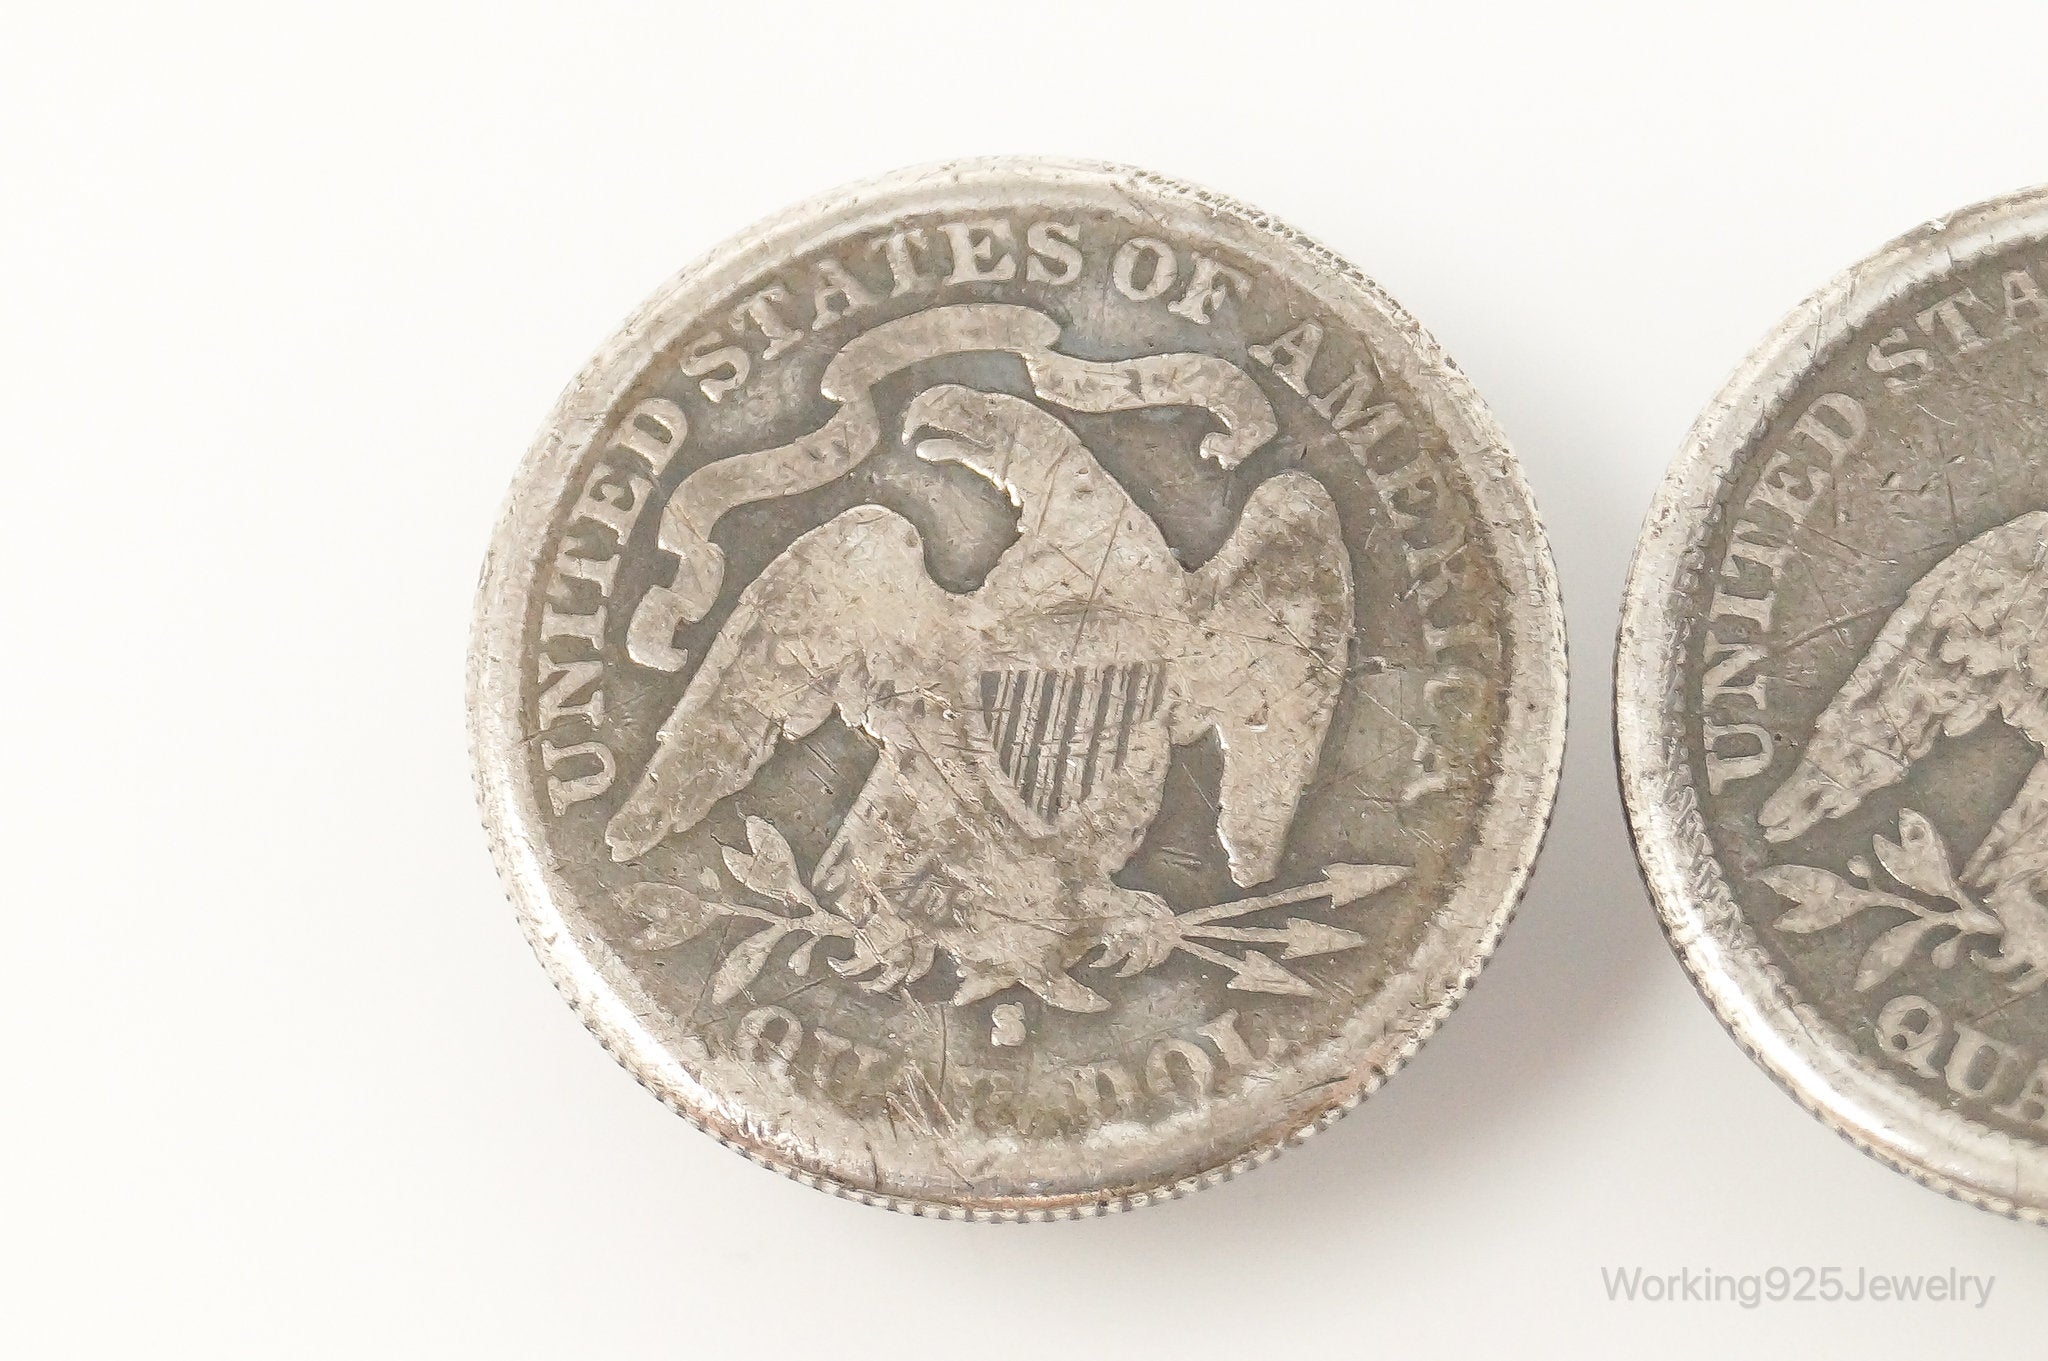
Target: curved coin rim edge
[(1463, 933), (1805, 1053)]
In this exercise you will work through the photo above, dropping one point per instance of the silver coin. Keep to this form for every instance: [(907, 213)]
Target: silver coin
[(1833, 702), (1016, 690)]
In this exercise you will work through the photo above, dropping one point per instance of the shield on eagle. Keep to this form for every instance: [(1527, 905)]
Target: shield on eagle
[(1025, 726)]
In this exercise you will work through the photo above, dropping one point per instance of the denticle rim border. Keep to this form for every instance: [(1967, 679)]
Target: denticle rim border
[(1802, 1051), (1512, 822)]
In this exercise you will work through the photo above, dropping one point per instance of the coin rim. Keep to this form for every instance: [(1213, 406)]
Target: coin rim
[(1511, 823), (1786, 1035)]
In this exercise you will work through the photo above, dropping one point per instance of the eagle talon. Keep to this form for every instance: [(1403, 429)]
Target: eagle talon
[(1142, 930), (1024, 727), (886, 943), (2022, 958)]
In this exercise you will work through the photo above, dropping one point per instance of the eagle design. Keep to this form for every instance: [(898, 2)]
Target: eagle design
[(1024, 727), (1969, 642)]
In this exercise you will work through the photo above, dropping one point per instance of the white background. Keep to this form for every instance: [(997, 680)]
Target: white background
[(283, 297)]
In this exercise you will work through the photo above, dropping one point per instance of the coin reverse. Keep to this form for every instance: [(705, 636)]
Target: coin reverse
[(1017, 689)]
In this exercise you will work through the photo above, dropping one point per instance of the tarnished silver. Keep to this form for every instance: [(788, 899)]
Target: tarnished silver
[(1016, 690), (1832, 704)]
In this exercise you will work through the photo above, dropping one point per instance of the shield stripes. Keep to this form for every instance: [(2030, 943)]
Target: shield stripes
[(1056, 733)]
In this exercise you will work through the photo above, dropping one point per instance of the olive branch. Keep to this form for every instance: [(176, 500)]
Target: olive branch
[(674, 914), (1918, 861)]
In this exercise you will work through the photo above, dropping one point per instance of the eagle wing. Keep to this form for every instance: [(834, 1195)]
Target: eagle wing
[(2017, 847), (1271, 621), (803, 631), (1969, 641)]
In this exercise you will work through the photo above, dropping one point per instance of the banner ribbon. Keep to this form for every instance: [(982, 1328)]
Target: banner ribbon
[(855, 431)]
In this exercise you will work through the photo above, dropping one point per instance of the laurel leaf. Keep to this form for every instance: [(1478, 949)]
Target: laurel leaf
[(1823, 899), (771, 870), (740, 864), (1890, 952), (673, 915), (800, 962), (745, 963), (1919, 858)]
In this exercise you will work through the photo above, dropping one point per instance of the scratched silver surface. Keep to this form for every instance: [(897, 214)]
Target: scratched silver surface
[(1017, 689), (1832, 704)]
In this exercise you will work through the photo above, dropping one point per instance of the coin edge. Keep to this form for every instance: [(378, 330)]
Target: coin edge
[(1524, 796), (1697, 911)]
